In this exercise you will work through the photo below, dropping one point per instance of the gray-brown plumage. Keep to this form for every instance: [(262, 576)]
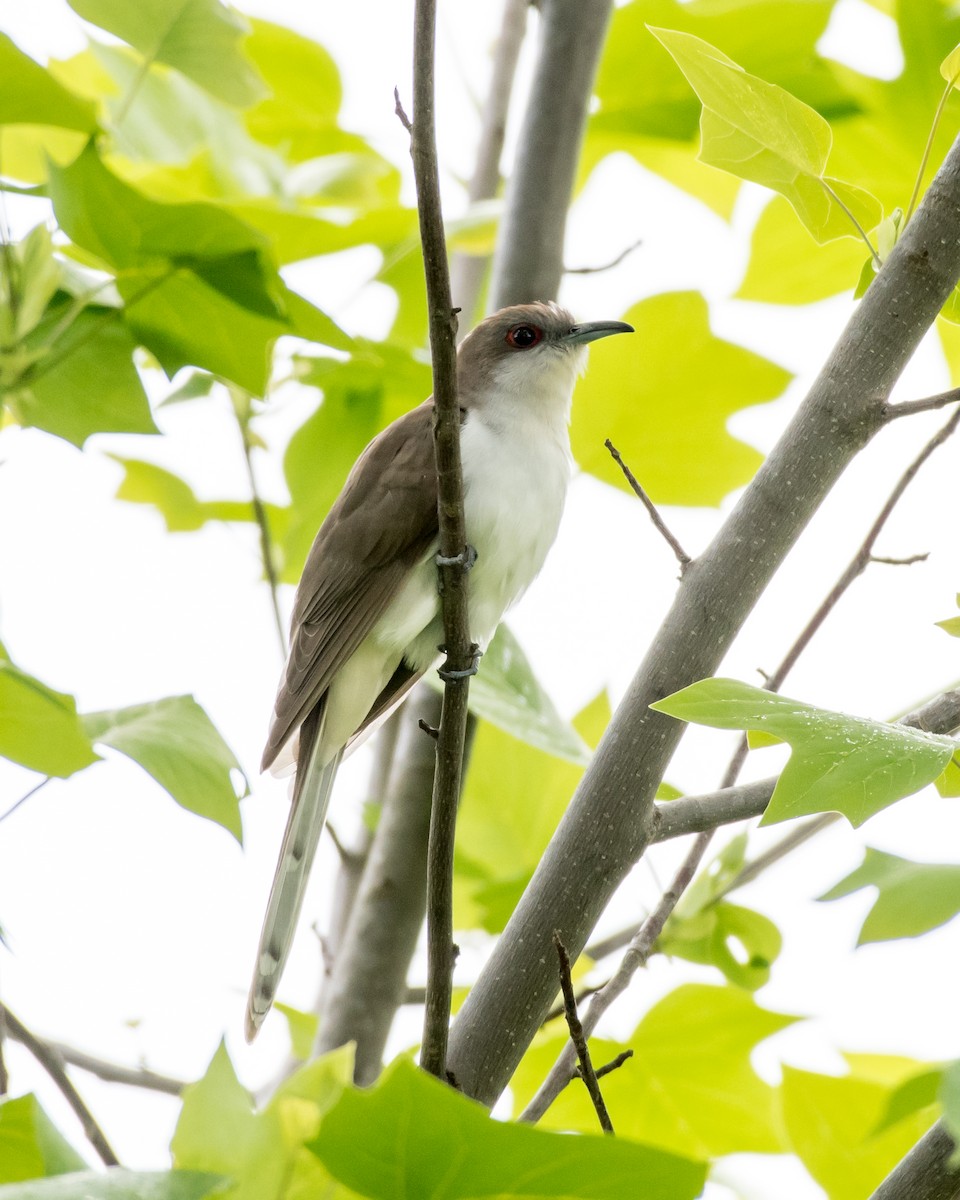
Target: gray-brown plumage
[(366, 621)]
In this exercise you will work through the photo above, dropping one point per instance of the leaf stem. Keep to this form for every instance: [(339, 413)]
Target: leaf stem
[(856, 224), (915, 195)]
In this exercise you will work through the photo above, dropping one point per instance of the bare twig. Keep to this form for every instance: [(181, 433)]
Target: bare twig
[(907, 408), (24, 798), (908, 561), (52, 1062), (636, 956), (453, 560), (607, 266), (614, 1064), (577, 1038), (682, 557)]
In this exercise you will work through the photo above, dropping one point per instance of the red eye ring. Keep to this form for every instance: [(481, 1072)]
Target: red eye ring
[(522, 337)]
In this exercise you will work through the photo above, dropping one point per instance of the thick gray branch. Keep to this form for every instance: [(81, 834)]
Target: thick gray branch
[(926, 1172), (528, 264), (609, 822)]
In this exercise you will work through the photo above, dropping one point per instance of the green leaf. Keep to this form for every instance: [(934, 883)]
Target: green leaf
[(788, 267), (916, 1092), (35, 278), (39, 727), (832, 1123), (740, 942), (952, 624), (506, 692), (689, 1087), (950, 67), (30, 1145), (912, 897), (839, 763), (949, 1097), (514, 797), (176, 501), (201, 38), (688, 461), (759, 132), (86, 382), (948, 784), (176, 742), (29, 95), (455, 1149), (303, 1030), (117, 1184)]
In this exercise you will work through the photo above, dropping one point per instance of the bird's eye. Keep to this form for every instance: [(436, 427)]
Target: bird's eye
[(522, 337)]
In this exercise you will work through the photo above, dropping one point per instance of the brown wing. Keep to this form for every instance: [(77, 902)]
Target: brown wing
[(381, 525)]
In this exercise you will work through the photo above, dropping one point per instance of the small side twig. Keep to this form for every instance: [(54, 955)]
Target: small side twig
[(52, 1062), (607, 266), (682, 557), (25, 797), (577, 1036), (907, 408), (635, 957)]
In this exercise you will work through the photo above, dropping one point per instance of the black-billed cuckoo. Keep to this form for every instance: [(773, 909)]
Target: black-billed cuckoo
[(366, 617)]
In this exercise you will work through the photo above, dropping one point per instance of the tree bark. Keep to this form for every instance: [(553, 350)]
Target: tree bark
[(608, 824), (926, 1172)]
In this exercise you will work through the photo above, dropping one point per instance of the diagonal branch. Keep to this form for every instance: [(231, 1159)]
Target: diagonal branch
[(609, 822)]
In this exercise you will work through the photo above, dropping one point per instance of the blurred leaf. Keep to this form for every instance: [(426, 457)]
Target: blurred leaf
[(514, 797), (788, 267), (689, 1087), (506, 692), (693, 460), (952, 624), (196, 385), (916, 1092), (201, 38), (455, 1149), (39, 728), (176, 742), (29, 95), (35, 276), (912, 897), (31, 1147), (177, 503), (117, 1184), (303, 1030), (760, 132), (86, 382), (948, 784), (949, 1097), (740, 942), (839, 763), (831, 1123)]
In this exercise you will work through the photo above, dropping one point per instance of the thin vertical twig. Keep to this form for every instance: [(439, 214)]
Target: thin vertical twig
[(587, 1072), (454, 559)]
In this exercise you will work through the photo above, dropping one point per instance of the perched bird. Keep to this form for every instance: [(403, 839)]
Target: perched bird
[(366, 618)]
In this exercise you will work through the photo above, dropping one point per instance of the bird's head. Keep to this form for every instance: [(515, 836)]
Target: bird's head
[(529, 354)]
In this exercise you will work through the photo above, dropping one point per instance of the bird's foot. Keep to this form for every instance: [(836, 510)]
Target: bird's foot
[(465, 559), (448, 675)]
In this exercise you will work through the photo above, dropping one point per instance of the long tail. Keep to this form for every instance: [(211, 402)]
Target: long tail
[(304, 826)]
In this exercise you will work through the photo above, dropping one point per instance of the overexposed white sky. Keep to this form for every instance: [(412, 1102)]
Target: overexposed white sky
[(133, 925)]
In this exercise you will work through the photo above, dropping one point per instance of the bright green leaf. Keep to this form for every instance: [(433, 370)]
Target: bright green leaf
[(455, 1149), (740, 942), (39, 728), (201, 38), (117, 1184), (29, 95), (948, 784), (86, 382), (759, 132), (35, 275), (832, 1123), (514, 797), (949, 1097), (635, 401), (950, 67), (506, 692), (176, 742), (916, 1092), (912, 897), (839, 763), (303, 1030), (689, 1086), (31, 1147)]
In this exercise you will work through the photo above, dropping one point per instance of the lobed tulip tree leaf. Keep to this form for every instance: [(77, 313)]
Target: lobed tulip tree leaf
[(679, 460), (30, 1145), (118, 1184), (839, 763), (29, 95), (176, 742), (761, 133), (912, 897), (691, 1047), (740, 942), (506, 693), (201, 38), (39, 727), (455, 1149), (86, 382), (833, 1123)]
